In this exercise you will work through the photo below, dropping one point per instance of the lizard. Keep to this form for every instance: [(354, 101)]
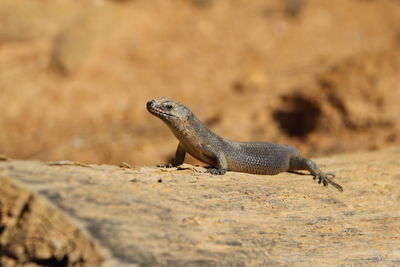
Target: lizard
[(224, 155)]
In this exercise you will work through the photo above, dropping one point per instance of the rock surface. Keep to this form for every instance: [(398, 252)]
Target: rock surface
[(75, 75), (87, 214)]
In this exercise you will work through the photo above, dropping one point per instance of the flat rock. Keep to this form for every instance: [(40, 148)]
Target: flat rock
[(78, 214)]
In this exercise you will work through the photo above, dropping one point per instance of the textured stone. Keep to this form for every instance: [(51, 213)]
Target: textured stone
[(168, 217)]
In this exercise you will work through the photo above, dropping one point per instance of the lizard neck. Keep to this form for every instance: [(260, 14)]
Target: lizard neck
[(192, 131)]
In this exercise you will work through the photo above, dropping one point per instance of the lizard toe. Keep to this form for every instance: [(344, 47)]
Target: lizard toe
[(325, 179), (319, 178)]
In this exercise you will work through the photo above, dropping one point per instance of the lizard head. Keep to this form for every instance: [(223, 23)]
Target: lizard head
[(171, 112)]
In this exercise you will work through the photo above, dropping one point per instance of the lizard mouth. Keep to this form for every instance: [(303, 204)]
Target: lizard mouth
[(157, 111)]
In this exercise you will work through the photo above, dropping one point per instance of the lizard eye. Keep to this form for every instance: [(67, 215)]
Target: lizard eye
[(168, 106)]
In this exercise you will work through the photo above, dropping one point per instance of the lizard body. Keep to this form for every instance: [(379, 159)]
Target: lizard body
[(223, 154)]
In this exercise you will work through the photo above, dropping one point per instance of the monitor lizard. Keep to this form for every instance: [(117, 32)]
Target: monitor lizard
[(223, 154)]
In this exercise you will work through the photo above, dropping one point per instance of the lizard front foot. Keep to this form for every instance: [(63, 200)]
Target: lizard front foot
[(326, 178), (216, 171)]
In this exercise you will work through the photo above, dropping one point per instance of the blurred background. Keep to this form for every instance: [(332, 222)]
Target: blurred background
[(75, 75)]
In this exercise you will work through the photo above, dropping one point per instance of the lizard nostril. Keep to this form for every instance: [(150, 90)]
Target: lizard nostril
[(150, 104)]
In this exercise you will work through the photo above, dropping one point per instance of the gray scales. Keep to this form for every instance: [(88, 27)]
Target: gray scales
[(223, 154)]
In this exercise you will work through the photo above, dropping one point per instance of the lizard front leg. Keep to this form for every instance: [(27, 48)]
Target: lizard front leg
[(216, 156), (178, 160)]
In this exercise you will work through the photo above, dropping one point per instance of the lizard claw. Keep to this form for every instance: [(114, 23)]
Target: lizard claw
[(326, 178), (216, 171)]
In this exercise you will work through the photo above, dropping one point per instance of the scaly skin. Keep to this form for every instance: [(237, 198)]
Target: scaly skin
[(223, 154)]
